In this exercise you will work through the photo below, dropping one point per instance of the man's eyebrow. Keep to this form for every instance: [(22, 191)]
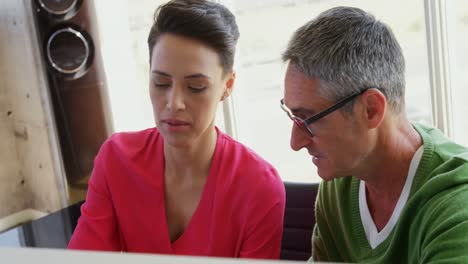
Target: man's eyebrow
[(302, 110)]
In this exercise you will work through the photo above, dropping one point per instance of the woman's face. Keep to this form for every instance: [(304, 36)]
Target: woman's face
[(186, 84)]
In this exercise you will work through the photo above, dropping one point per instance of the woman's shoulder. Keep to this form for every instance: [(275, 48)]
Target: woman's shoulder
[(257, 179), (243, 153), (250, 166), (130, 142)]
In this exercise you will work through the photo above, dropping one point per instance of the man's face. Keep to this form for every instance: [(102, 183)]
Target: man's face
[(338, 144)]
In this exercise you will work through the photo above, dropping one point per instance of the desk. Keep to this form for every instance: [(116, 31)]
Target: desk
[(57, 256), (53, 232)]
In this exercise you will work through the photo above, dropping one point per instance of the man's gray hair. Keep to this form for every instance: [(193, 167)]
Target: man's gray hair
[(348, 50)]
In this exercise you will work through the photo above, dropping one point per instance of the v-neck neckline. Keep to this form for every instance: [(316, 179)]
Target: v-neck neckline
[(373, 235), (421, 172), (205, 198)]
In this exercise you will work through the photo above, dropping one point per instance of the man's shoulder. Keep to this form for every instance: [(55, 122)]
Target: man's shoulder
[(446, 178), (443, 164), (443, 211), (450, 151), (444, 192), (436, 143)]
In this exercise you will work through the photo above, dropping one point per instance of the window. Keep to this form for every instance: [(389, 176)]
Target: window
[(457, 25)]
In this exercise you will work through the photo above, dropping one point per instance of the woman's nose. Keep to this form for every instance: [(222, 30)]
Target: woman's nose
[(175, 100)]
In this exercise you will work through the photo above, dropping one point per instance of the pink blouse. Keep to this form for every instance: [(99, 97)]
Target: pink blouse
[(240, 213)]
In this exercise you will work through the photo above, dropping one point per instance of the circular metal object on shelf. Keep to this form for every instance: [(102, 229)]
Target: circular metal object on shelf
[(60, 9), (69, 52)]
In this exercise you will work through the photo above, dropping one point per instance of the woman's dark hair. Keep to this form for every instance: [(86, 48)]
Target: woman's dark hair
[(208, 22)]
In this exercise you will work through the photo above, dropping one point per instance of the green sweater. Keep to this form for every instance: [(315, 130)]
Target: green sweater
[(433, 226)]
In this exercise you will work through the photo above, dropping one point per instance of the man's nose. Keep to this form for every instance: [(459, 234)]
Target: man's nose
[(300, 138)]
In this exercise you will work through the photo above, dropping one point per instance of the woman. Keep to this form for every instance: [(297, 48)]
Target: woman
[(184, 187)]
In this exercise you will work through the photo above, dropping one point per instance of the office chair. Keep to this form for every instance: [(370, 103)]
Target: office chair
[(299, 220)]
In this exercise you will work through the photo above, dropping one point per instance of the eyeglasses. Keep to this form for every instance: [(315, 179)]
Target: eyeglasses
[(304, 124)]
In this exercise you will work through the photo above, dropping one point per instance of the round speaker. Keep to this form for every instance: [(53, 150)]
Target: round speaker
[(70, 52), (60, 9)]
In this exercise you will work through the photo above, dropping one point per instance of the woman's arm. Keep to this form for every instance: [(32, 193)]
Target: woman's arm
[(97, 227), (265, 224)]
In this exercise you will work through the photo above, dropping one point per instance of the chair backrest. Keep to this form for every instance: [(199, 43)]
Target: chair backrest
[(299, 220)]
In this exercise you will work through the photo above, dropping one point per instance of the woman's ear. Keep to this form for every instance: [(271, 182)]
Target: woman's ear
[(229, 84)]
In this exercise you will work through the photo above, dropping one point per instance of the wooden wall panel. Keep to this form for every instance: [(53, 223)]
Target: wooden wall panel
[(31, 175)]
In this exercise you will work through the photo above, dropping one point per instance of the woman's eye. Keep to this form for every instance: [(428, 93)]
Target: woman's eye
[(196, 89), (161, 85)]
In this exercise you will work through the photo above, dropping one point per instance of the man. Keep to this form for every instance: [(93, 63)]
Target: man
[(393, 191)]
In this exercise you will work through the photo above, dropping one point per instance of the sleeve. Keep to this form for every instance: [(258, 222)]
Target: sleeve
[(446, 236), (319, 251), (97, 226), (265, 226), (323, 249)]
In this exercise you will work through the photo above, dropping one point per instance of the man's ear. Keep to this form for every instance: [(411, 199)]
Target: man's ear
[(375, 104), (228, 84)]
